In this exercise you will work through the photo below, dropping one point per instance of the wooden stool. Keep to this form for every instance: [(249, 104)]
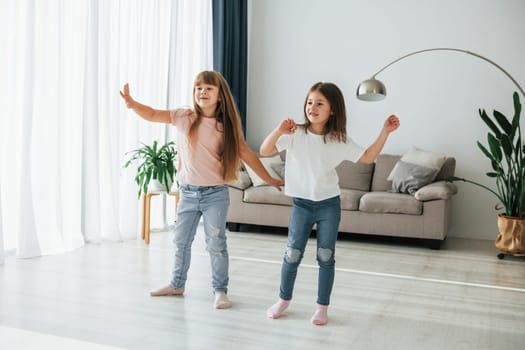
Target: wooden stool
[(146, 211)]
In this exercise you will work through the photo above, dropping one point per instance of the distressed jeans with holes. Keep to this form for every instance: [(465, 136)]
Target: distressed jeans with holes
[(210, 202), (305, 213)]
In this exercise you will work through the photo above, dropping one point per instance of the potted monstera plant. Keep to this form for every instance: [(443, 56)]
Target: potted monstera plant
[(506, 153), (154, 164)]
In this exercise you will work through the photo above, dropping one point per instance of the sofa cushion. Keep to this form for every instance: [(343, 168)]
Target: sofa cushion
[(350, 199), (385, 202), (448, 169), (384, 165), (266, 195), (355, 176)]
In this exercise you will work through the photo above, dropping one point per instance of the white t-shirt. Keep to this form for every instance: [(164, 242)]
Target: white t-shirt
[(310, 164)]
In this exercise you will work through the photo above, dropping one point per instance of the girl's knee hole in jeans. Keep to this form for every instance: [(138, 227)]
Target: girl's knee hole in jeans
[(324, 254), (292, 255), (215, 231)]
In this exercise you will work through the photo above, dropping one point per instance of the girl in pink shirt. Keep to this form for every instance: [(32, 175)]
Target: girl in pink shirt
[(210, 145)]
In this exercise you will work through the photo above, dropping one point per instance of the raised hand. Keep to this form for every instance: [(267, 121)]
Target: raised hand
[(391, 123), (287, 126), (126, 96)]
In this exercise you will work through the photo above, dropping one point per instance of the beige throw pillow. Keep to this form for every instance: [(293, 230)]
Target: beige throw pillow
[(436, 190)]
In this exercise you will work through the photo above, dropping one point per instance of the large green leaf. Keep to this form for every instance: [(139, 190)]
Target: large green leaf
[(489, 123), (485, 151), (494, 146), (506, 144), (503, 122), (517, 105)]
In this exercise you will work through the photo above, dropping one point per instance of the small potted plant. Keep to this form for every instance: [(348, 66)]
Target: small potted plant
[(155, 164), (506, 152)]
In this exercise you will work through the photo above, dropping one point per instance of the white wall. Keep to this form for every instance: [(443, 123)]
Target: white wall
[(294, 43)]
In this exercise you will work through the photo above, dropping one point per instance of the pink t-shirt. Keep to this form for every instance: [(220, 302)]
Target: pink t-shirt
[(203, 167)]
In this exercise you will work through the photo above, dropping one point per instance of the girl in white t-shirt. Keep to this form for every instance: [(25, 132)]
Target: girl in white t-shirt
[(210, 146), (313, 151)]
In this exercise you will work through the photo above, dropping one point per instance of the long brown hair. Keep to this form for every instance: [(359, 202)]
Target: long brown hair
[(228, 121), (335, 127)]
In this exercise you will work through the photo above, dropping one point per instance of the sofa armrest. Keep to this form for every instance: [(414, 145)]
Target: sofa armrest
[(242, 182), (436, 190)]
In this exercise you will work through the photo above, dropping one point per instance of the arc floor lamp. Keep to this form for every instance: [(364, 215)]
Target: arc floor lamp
[(374, 90)]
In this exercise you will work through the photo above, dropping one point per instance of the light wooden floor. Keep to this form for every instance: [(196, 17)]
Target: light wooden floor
[(386, 296)]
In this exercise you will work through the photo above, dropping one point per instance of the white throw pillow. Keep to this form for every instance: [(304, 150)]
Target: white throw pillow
[(424, 158), (242, 181), (267, 162)]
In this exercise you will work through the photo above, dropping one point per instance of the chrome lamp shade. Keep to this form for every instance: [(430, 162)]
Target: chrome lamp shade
[(371, 90)]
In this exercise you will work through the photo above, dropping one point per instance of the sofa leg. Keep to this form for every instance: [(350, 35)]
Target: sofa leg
[(435, 244), (233, 226)]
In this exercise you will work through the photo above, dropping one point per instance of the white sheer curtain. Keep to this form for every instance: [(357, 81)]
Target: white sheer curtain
[(1, 235), (65, 130)]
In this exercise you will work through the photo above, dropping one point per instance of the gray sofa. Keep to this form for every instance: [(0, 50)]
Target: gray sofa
[(368, 205)]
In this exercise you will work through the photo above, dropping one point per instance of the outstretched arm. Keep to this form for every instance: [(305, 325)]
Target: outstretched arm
[(287, 127), (372, 152), (250, 158), (146, 112)]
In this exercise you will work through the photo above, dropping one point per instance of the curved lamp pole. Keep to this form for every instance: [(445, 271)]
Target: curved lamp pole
[(374, 90)]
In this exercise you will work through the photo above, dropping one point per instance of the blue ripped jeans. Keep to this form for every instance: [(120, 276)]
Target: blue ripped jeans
[(305, 213), (212, 203)]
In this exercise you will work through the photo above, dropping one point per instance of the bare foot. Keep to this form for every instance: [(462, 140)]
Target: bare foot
[(167, 291), (222, 301), (277, 309), (320, 317)]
